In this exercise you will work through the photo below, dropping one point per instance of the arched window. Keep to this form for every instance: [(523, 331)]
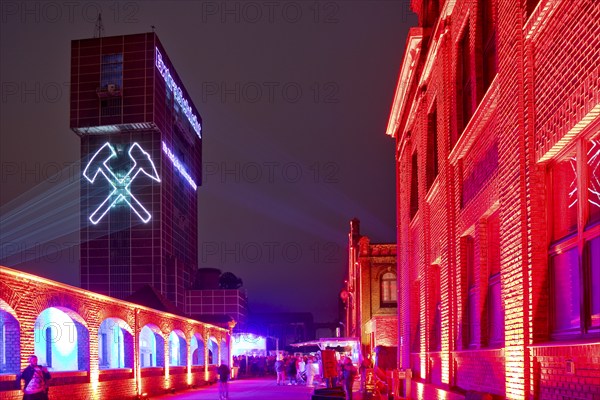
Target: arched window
[(115, 344), (10, 350), (177, 348), (61, 341), (197, 349), (388, 290), (224, 352), (152, 353), (213, 351)]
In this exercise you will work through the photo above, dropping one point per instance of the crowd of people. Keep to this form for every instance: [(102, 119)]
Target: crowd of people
[(303, 370), (288, 370)]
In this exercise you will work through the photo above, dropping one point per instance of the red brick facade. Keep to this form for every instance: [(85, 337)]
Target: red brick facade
[(371, 306), (496, 122), (23, 297)]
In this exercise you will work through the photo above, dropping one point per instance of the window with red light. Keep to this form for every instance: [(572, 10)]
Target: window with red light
[(489, 41), (531, 5), (432, 12), (472, 312), (432, 164), (415, 322), (574, 253), (414, 186), (435, 303), (464, 85)]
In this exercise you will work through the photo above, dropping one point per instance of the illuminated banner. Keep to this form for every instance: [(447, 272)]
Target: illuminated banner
[(177, 93), (120, 182), (329, 363), (179, 166)]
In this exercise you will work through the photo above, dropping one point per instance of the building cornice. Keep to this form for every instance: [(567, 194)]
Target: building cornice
[(406, 77)]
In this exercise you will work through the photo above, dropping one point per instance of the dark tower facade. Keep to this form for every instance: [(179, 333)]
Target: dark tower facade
[(141, 151)]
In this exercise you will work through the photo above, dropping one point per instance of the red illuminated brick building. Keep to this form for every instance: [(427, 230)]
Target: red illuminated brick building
[(370, 303), (497, 130), (141, 153)]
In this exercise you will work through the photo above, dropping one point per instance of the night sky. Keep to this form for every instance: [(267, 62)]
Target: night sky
[(295, 98)]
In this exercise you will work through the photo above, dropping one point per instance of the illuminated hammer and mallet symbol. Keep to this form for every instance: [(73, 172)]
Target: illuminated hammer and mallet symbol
[(99, 164)]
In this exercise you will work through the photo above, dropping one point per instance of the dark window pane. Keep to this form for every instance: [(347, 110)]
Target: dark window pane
[(414, 187), (490, 58), (494, 243), (564, 198), (496, 312), (566, 290), (432, 148), (470, 261), (594, 267), (473, 320)]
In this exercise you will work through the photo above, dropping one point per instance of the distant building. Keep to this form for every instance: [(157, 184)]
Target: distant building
[(212, 300), (141, 150), (370, 294), (497, 136), (281, 329)]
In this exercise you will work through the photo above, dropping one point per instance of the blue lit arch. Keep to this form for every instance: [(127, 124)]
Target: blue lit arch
[(224, 352), (213, 351), (115, 344), (10, 343), (152, 347), (177, 348), (197, 349), (61, 340)]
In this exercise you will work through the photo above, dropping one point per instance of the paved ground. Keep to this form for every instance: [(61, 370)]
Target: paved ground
[(246, 389)]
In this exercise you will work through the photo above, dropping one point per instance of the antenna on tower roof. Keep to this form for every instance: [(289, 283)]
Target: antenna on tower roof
[(99, 28)]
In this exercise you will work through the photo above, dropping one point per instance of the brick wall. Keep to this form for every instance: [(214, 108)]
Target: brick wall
[(375, 260), (25, 296), (566, 372), (547, 89)]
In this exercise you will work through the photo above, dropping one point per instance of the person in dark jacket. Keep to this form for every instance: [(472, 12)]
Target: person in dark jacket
[(291, 370), (224, 372), (36, 380), (349, 372), (280, 370)]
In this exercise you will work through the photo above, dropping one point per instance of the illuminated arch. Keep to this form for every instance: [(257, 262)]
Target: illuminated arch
[(9, 328), (61, 340), (197, 349), (115, 344), (177, 348), (224, 352), (152, 347), (213, 350)]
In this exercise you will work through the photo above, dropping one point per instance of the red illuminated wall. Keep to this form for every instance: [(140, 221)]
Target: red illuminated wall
[(496, 115), (23, 297)]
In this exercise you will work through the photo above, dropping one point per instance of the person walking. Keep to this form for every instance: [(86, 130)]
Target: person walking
[(291, 370), (349, 372), (280, 370), (36, 380), (365, 366), (224, 373)]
